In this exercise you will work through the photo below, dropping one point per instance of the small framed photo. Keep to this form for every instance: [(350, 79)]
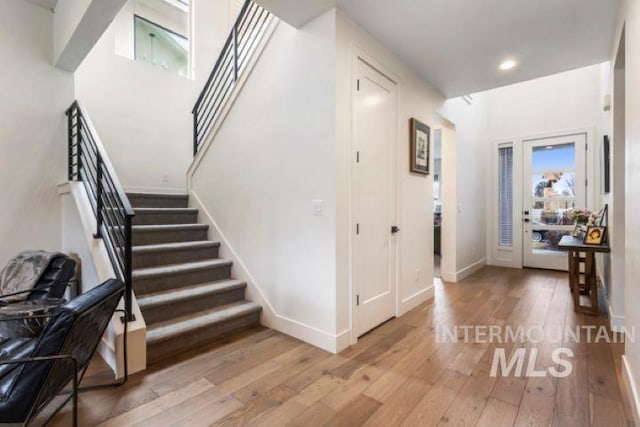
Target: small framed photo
[(595, 235), (578, 232), (419, 155)]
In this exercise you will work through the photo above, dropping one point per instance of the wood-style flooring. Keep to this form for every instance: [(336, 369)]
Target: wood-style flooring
[(398, 374)]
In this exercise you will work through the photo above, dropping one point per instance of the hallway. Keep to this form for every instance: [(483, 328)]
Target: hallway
[(398, 374)]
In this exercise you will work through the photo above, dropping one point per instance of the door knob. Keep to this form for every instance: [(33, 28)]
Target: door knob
[(394, 229)]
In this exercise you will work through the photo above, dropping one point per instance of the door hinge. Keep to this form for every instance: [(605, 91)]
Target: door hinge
[(586, 182), (358, 228), (357, 157), (357, 299), (358, 84)]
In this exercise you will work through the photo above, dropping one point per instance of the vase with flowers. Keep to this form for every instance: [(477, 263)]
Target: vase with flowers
[(582, 216)]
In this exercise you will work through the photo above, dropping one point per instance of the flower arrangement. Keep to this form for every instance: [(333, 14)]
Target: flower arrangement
[(582, 216)]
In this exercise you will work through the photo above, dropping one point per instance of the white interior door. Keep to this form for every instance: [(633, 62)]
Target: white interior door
[(554, 181), (373, 198)]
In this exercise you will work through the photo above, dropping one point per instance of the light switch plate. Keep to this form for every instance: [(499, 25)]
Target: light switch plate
[(317, 207)]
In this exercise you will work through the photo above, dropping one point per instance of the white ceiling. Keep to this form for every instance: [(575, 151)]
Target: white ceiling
[(47, 4), (456, 45)]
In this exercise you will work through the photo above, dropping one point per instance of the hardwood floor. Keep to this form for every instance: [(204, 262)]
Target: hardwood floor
[(398, 374)]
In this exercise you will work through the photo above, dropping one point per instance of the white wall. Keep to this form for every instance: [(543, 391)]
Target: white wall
[(466, 206), (567, 101), (415, 192), (630, 19), (142, 113), (275, 153), (33, 144)]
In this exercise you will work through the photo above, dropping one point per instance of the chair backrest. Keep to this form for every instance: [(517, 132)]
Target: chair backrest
[(76, 330), (55, 278)]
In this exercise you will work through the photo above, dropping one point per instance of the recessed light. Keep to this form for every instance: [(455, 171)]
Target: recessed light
[(507, 64)]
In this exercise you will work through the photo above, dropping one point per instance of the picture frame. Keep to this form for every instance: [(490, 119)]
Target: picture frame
[(606, 159), (419, 154), (595, 235)]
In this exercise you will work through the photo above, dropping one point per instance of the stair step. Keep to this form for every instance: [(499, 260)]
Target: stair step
[(155, 234), (174, 336), (153, 200), (172, 276), (161, 306), (173, 253), (159, 216)]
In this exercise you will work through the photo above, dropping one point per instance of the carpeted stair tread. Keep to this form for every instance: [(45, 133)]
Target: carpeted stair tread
[(185, 324), (169, 227), (165, 210), (173, 269), (174, 296), (165, 247)]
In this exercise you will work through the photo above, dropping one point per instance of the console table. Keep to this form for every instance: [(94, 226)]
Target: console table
[(582, 265)]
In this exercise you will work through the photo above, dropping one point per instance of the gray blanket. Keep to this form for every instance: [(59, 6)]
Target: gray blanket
[(23, 271)]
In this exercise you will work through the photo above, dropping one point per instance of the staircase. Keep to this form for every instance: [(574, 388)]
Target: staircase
[(185, 292)]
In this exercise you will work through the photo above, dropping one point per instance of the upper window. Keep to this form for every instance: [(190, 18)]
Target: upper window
[(161, 47), (157, 33)]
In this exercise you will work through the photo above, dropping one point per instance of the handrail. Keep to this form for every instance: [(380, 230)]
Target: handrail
[(89, 163), (247, 30)]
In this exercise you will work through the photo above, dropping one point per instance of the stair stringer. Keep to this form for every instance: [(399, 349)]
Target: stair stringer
[(75, 198), (270, 317)]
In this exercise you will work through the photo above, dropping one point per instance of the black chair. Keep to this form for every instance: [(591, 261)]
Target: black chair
[(34, 371), (52, 284)]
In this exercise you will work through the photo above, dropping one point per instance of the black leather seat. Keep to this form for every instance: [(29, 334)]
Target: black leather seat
[(35, 370)]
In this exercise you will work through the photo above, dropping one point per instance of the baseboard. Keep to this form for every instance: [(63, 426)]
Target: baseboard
[(270, 317), (154, 190), (630, 388), (465, 272), (469, 270), (416, 299), (616, 322)]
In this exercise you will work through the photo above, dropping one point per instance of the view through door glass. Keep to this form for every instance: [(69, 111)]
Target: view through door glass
[(554, 184)]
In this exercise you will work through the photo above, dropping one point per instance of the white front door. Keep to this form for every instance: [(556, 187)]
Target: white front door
[(554, 181), (374, 198)]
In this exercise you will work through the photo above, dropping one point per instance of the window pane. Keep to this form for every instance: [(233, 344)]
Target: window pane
[(545, 241), (553, 184), (161, 47), (505, 202), (558, 157)]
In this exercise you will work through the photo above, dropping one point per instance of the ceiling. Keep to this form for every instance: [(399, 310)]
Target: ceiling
[(47, 4), (457, 45)]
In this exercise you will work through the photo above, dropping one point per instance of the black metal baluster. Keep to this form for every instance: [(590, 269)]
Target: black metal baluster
[(78, 142), (128, 276), (235, 52), (70, 142), (99, 196), (195, 132)]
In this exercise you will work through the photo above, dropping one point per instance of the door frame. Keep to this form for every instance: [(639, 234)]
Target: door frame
[(358, 54), (513, 256)]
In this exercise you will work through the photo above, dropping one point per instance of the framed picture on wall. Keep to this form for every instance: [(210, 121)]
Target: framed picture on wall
[(419, 154)]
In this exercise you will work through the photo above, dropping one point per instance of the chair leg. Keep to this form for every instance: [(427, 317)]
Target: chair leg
[(74, 396)]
